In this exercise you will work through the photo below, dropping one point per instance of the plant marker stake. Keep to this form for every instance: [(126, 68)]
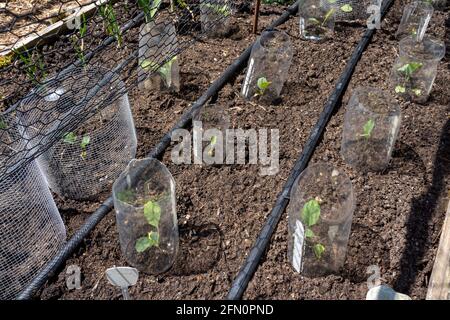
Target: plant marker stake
[(123, 277), (256, 18)]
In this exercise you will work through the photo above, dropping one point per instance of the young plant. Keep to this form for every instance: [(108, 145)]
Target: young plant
[(79, 48), (327, 16), (408, 70), (182, 5), (112, 27), (71, 138), (152, 213), (223, 10), (33, 66), (368, 129), (212, 143), (310, 216), (150, 8), (165, 71), (262, 85)]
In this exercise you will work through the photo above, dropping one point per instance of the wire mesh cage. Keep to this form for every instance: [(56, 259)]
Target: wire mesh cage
[(84, 161), (49, 42), (31, 229)]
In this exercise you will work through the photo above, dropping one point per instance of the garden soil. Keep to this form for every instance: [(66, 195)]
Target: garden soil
[(221, 209)]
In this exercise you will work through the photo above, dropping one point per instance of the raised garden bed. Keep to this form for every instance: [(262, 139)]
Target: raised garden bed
[(398, 215)]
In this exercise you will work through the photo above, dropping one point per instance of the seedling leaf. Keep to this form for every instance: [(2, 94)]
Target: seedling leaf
[(152, 212), (347, 8), (368, 129), (311, 213), (85, 142), (319, 249), (309, 233), (70, 138), (400, 89)]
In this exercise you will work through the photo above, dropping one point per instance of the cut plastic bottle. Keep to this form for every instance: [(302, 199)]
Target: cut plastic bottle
[(317, 20), (215, 17), (145, 204), (415, 70), (371, 127), (415, 20), (268, 67), (158, 61), (211, 124), (320, 215)]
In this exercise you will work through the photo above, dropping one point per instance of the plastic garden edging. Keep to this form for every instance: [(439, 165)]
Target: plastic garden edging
[(238, 65), (250, 265)]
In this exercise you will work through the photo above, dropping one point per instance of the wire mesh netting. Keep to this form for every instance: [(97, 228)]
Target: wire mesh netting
[(347, 10), (31, 229), (48, 52)]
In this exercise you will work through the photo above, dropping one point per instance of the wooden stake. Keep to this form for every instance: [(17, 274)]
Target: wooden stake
[(256, 18)]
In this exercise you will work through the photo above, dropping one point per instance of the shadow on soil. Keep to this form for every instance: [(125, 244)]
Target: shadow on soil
[(199, 251), (423, 210)]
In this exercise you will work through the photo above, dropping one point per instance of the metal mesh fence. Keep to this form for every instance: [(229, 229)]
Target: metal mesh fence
[(31, 229), (55, 44), (348, 10)]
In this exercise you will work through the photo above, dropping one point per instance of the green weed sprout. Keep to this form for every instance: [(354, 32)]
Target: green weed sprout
[(150, 8), (33, 66), (79, 48), (108, 14)]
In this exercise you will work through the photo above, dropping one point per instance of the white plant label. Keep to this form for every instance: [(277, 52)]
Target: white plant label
[(374, 21), (299, 240), (246, 87)]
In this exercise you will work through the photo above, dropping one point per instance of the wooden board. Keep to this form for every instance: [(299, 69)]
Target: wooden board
[(43, 36), (439, 286)]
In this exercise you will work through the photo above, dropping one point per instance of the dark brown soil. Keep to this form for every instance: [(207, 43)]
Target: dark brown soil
[(221, 209)]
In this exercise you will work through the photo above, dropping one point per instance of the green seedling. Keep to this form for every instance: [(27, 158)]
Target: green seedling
[(112, 27), (150, 8), (262, 85), (347, 8), (34, 65), (3, 125), (368, 129), (165, 71), (223, 10), (71, 138), (152, 213), (126, 196), (79, 48), (212, 143), (410, 68), (182, 5), (327, 16), (310, 216)]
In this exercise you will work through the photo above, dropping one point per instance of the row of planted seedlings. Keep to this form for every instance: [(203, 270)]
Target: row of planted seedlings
[(84, 161), (144, 195), (322, 200)]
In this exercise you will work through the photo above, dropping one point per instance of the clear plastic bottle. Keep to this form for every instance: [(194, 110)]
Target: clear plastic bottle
[(320, 215), (415, 19), (371, 127), (158, 44), (215, 17), (415, 69), (316, 20), (145, 204), (268, 67)]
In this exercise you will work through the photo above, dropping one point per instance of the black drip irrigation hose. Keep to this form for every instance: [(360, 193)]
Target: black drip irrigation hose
[(67, 250), (247, 271)]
